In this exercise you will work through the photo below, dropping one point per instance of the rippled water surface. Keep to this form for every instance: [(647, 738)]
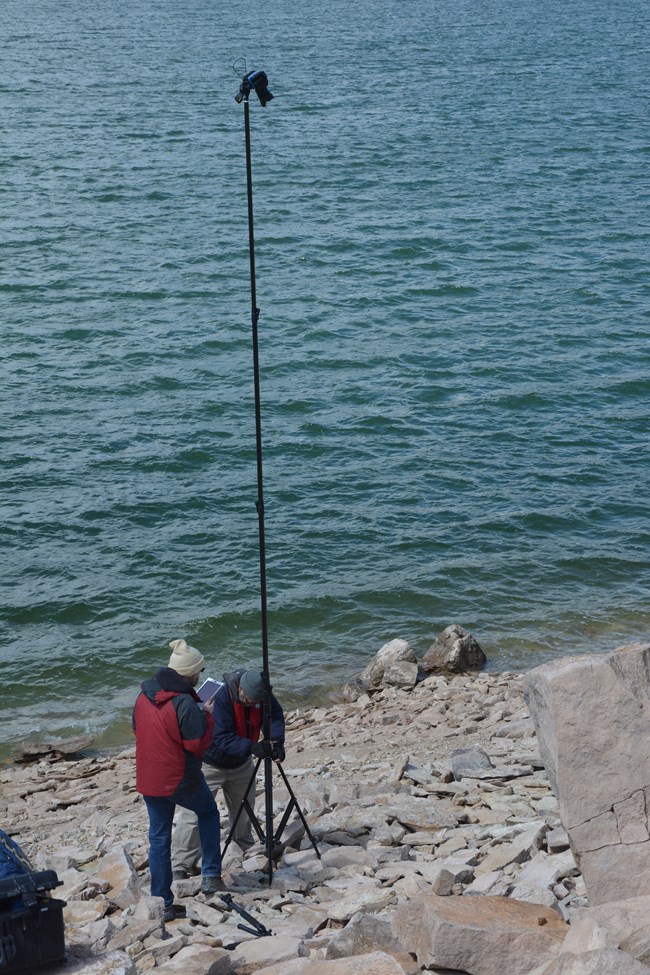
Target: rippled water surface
[(451, 216)]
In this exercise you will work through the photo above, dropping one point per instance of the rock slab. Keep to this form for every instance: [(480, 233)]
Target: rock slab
[(376, 963), (591, 715), (484, 936)]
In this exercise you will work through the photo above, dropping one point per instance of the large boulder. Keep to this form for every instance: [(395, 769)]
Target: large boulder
[(364, 933), (591, 715), (454, 651), (198, 960), (360, 900), (31, 750), (264, 952), (375, 963), (469, 762), (118, 870), (109, 963), (391, 662), (603, 961), (617, 924), (481, 935)]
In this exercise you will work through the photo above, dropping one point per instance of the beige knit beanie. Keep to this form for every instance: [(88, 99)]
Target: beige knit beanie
[(185, 660)]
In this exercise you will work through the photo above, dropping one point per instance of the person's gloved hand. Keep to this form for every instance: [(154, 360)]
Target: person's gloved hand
[(262, 749), (277, 751)]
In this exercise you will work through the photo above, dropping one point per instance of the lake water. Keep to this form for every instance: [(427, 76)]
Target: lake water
[(453, 231)]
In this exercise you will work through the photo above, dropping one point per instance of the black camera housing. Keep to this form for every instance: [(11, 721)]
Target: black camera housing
[(257, 81)]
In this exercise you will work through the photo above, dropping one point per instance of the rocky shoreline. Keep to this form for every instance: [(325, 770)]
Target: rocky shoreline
[(439, 835)]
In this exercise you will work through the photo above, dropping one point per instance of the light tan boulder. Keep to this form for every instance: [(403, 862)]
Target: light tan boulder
[(372, 676), (74, 884), (198, 960), (133, 931), (83, 912), (557, 840), (400, 673), (206, 914), (149, 907), (614, 871), (111, 963), (417, 812), (343, 858), (363, 934), (637, 944), (443, 874), (268, 951), (591, 715), (376, 963), (621, 924), (494, 883), (165, 949), (359, 900), (118, 870), (29, 750), (545, 869), (353, 819), (585, 934), (481, 935), (517, 851), (94, 936), (603, 961)]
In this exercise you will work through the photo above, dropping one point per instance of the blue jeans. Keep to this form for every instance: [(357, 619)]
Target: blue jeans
[(161, 817)]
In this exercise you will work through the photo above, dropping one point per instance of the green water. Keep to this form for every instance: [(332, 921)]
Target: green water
[(451, 213)]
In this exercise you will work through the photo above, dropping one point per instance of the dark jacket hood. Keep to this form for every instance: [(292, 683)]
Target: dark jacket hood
[(232, 680), (165, 684)]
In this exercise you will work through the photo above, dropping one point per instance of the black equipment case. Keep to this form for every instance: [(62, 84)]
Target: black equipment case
[(31, 923)]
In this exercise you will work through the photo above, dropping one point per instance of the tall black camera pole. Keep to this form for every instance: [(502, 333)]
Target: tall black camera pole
[(257, 80), (255, 314)]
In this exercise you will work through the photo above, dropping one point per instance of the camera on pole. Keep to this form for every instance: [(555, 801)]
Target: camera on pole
[(258, 82)]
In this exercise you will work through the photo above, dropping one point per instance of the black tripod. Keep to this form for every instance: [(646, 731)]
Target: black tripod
[(258, 81), (255, 823)]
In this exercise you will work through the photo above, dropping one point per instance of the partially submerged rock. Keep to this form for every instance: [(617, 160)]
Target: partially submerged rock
[(31, 749), (389, 656), (395, 664), (454, 651)]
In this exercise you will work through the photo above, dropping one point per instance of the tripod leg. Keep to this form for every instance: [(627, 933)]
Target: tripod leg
[(267, 836), (245, 806), (268, 800), (283, 822), (294, 803)]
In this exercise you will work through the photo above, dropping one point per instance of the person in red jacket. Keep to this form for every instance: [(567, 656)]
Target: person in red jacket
[(171, 734)]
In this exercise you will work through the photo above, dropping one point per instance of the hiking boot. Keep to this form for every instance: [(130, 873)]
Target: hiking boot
[(213, 885), (180, 875), (174, 912)]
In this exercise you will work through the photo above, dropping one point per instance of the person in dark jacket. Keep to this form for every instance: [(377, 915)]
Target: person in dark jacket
[(171, 734), (228, 762)]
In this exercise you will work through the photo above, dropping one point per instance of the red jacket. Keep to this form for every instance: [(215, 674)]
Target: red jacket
[(171, 735)]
